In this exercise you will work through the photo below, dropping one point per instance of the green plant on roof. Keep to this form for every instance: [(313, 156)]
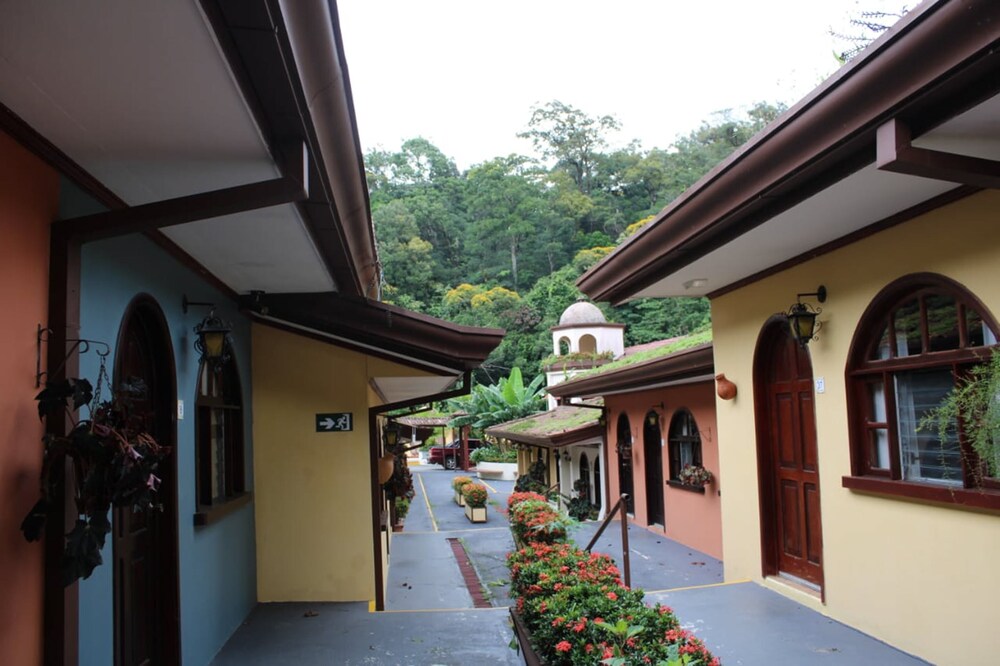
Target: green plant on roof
[(687, 342)]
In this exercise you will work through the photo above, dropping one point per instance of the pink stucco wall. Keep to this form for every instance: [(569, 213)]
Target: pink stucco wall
[(691, 518), (28, 199)]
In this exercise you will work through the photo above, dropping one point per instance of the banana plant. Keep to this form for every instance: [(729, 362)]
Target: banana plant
[(504, 401)]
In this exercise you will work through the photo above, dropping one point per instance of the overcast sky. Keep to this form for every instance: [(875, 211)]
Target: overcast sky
[(465, 73)]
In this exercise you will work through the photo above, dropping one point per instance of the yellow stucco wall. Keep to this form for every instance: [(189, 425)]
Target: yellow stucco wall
[(312, 490), (923, 578)]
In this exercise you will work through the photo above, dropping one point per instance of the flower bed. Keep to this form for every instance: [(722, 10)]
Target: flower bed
[(575, 609), (535, 521)]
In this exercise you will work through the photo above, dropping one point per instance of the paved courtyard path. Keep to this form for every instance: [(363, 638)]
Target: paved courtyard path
[(431, 617)]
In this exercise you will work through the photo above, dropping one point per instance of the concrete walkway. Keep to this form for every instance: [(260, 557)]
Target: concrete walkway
[(430, 616)]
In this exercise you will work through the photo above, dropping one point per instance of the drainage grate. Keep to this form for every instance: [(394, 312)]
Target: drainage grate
[(472, 582)]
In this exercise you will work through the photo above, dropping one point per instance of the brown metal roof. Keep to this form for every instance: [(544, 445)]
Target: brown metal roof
[(937, 62), (378, 328)]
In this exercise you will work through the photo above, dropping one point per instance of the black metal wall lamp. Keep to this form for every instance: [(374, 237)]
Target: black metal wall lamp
[(802, 316), (214, 343)]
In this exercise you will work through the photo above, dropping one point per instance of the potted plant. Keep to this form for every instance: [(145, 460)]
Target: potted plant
[(457, 484), (475, 502), (114, 462), (579, 507), (402, 505), (694, 475)]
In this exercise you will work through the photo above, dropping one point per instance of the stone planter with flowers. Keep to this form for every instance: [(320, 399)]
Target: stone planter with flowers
[(475, 502)]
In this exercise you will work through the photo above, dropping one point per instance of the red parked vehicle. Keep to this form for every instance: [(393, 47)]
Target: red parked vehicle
[(449, 456)]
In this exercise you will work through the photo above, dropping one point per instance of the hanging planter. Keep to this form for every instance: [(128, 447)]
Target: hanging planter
[(113, 460)]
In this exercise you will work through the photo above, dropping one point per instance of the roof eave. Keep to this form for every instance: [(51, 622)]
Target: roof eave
[(380, 327), (288, 59), (941, 59)]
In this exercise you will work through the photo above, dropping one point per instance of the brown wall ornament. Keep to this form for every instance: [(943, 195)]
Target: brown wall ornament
[(725, 388)]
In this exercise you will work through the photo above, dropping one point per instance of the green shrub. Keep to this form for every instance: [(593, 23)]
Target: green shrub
[(493, 454), (535, 521), (475, 495), (402, 507)]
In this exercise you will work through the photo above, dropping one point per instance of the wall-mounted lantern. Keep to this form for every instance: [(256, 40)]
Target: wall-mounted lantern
[(802, 316), (214, 343)]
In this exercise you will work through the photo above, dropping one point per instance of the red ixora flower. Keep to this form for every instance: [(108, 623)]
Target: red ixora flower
[(612, 596), (563, 646)]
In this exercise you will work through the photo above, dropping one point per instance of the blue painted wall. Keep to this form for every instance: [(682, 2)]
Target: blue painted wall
[(217, 562)]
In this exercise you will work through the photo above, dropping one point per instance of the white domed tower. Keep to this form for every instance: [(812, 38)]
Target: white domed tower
[(583, 339)]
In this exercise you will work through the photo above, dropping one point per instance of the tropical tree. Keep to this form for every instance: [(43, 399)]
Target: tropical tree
[(571, 138), (508, 399)]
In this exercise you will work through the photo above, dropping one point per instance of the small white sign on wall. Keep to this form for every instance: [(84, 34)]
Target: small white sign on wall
[(820, 385), (180, 410)]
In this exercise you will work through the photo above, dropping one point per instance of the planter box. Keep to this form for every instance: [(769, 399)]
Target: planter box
[(459, 498), (496, 470), (397, 527), (475, 514), (524, 640)]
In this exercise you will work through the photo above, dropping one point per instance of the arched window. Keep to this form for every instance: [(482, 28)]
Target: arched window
[(219, 424), (584, 477), (685, 443), (563, 346), (588, 344), (916, 337)]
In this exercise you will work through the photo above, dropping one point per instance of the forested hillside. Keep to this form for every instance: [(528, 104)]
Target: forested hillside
[(502, 243)]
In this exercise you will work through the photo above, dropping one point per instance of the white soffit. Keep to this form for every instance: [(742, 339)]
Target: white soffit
[(863, 198), (267, 249), (140, 96), (398, 389)]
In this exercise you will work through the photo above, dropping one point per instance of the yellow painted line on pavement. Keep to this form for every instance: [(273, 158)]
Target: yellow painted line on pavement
[(371, 606), (482, 481), (427, 502), (701, 587)]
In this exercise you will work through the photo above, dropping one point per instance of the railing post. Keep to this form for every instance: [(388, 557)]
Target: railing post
[(626, 568)]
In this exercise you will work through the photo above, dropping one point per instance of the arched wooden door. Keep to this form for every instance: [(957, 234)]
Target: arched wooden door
[(624, 449), (147, 631), (652, 449), (791, 526), (598, 488)]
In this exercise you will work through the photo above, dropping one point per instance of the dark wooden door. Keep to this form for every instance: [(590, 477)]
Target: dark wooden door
[(652, 448), (791, 522), (145, 550), (624, 450)]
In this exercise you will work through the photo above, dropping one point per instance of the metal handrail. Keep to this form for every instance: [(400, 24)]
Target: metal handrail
[(626, 568)]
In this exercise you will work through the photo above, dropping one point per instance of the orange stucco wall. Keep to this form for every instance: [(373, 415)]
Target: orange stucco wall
[(29, 192), (691, 518)]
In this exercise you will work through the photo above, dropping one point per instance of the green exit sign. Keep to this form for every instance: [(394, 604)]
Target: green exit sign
[(335, 422)]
